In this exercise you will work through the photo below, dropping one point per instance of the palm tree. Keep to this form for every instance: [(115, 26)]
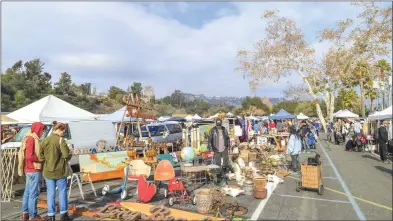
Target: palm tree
[(361, 74), (383, 67), (371, 94)]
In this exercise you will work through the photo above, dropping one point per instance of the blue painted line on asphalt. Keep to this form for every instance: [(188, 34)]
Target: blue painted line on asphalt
[(355, 206), (310, 198)]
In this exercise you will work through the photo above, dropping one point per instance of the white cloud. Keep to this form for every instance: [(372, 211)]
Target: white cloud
[(118, 43)]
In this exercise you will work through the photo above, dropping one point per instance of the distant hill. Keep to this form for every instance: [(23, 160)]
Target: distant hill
[(235, 101)]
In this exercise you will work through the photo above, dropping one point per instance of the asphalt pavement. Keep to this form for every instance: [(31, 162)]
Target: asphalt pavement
[(364, 191), (357, 186)]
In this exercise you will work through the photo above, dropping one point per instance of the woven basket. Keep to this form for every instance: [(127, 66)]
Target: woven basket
[(203, 200), (260, 182), (260, 193)]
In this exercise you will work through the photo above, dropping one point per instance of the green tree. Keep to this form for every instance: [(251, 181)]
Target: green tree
[(383, 67), (113, 91), (307, 108), (28, 77), (360, 75), (177, 98), (20, 99), (135, 88), (289, 106), (64, 85), (347, 99), (371, 94), (255, 102)]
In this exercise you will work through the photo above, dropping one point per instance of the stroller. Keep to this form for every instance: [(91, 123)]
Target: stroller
[(359, 142), (311, 140), (178, 193)]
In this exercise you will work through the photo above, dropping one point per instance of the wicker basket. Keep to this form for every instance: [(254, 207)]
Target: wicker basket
[(311, 176), (203, 200), (260, 182), (260, 193)]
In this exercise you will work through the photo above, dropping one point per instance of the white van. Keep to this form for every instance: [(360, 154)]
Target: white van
[(79, 134)]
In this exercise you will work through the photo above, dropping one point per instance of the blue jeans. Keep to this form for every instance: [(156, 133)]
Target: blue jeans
[(305, 144), (31, 194), (51, 195)]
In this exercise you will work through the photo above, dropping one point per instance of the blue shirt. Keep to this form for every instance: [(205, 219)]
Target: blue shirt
[(257, 127)]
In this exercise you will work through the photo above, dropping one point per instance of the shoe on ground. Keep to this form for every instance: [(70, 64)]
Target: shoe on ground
[(65, 217), (25, 216), (37, 218)]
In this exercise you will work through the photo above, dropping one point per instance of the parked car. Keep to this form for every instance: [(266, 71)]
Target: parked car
[(169, 131), (79, 134)]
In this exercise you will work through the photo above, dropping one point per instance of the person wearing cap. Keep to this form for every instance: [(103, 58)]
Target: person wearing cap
[(383, 140), (218, 143)]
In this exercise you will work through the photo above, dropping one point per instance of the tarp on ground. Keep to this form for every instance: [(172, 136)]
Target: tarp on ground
[(345, 114), (282, 114), (51, 108), (382, 115), (302, 116)]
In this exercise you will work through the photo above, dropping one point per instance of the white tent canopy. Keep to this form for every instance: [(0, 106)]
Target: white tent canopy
[(345, 114), (196, 117), (229, 114), (162, 118), (302, 116), (117, 116), (381, 115), (214, 116), (50, 108), (188, 118), (337, 113)]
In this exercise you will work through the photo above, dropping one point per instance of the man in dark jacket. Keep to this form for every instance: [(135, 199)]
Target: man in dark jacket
[(219, 144), (383, 140)]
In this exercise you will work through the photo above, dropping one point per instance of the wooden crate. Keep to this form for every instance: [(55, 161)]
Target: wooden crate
[(311, 176)]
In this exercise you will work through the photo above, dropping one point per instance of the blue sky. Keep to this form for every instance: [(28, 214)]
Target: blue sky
[(187, 46)]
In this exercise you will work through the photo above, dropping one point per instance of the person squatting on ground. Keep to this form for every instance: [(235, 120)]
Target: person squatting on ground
[(219, 144), (29, 164), (383, 140), (55, 155), (294, 147)]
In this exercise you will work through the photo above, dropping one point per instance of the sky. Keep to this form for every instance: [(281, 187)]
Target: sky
[(187, 46)]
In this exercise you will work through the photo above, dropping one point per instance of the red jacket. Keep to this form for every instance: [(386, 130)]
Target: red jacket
[(30, 156)]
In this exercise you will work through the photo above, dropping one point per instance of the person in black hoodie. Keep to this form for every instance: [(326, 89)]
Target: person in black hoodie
[(219, 144), (383, 140)]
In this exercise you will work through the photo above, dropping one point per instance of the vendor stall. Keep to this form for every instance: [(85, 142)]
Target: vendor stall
[(301, 116), (282, 115), (345, 114)]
